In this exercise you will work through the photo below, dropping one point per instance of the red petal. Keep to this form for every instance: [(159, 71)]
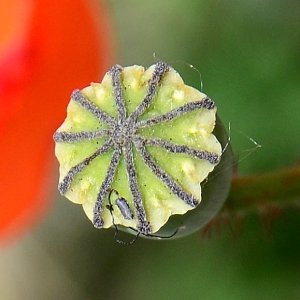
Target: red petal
[(69, 45)]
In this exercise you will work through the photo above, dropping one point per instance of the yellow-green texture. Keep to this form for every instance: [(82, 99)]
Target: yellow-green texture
[(193, 129)]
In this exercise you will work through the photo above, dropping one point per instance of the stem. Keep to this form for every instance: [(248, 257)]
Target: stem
[(279, 188)]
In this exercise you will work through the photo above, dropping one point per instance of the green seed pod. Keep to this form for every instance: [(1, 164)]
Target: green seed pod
[(149, 137), (215, 190)]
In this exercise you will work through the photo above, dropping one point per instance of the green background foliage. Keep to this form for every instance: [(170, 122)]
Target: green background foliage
[(248, 55)]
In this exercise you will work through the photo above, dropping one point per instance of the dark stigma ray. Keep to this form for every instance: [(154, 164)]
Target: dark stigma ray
[(160, 69), (211, 157), (177, 112), (64, 185), (143, 226), (78, 97), (71, 137), (188, 198), (116, 72), (105, 187)]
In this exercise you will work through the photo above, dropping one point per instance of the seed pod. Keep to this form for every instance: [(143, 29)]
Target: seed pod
[(148, 136)]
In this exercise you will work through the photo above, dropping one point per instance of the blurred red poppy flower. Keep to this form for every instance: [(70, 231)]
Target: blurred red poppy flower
[(47, 48)]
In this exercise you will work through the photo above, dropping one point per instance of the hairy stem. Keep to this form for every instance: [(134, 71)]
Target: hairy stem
[(278, 188)]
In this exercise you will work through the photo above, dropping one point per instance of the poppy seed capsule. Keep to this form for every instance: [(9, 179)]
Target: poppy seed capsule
[(147, 135)]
